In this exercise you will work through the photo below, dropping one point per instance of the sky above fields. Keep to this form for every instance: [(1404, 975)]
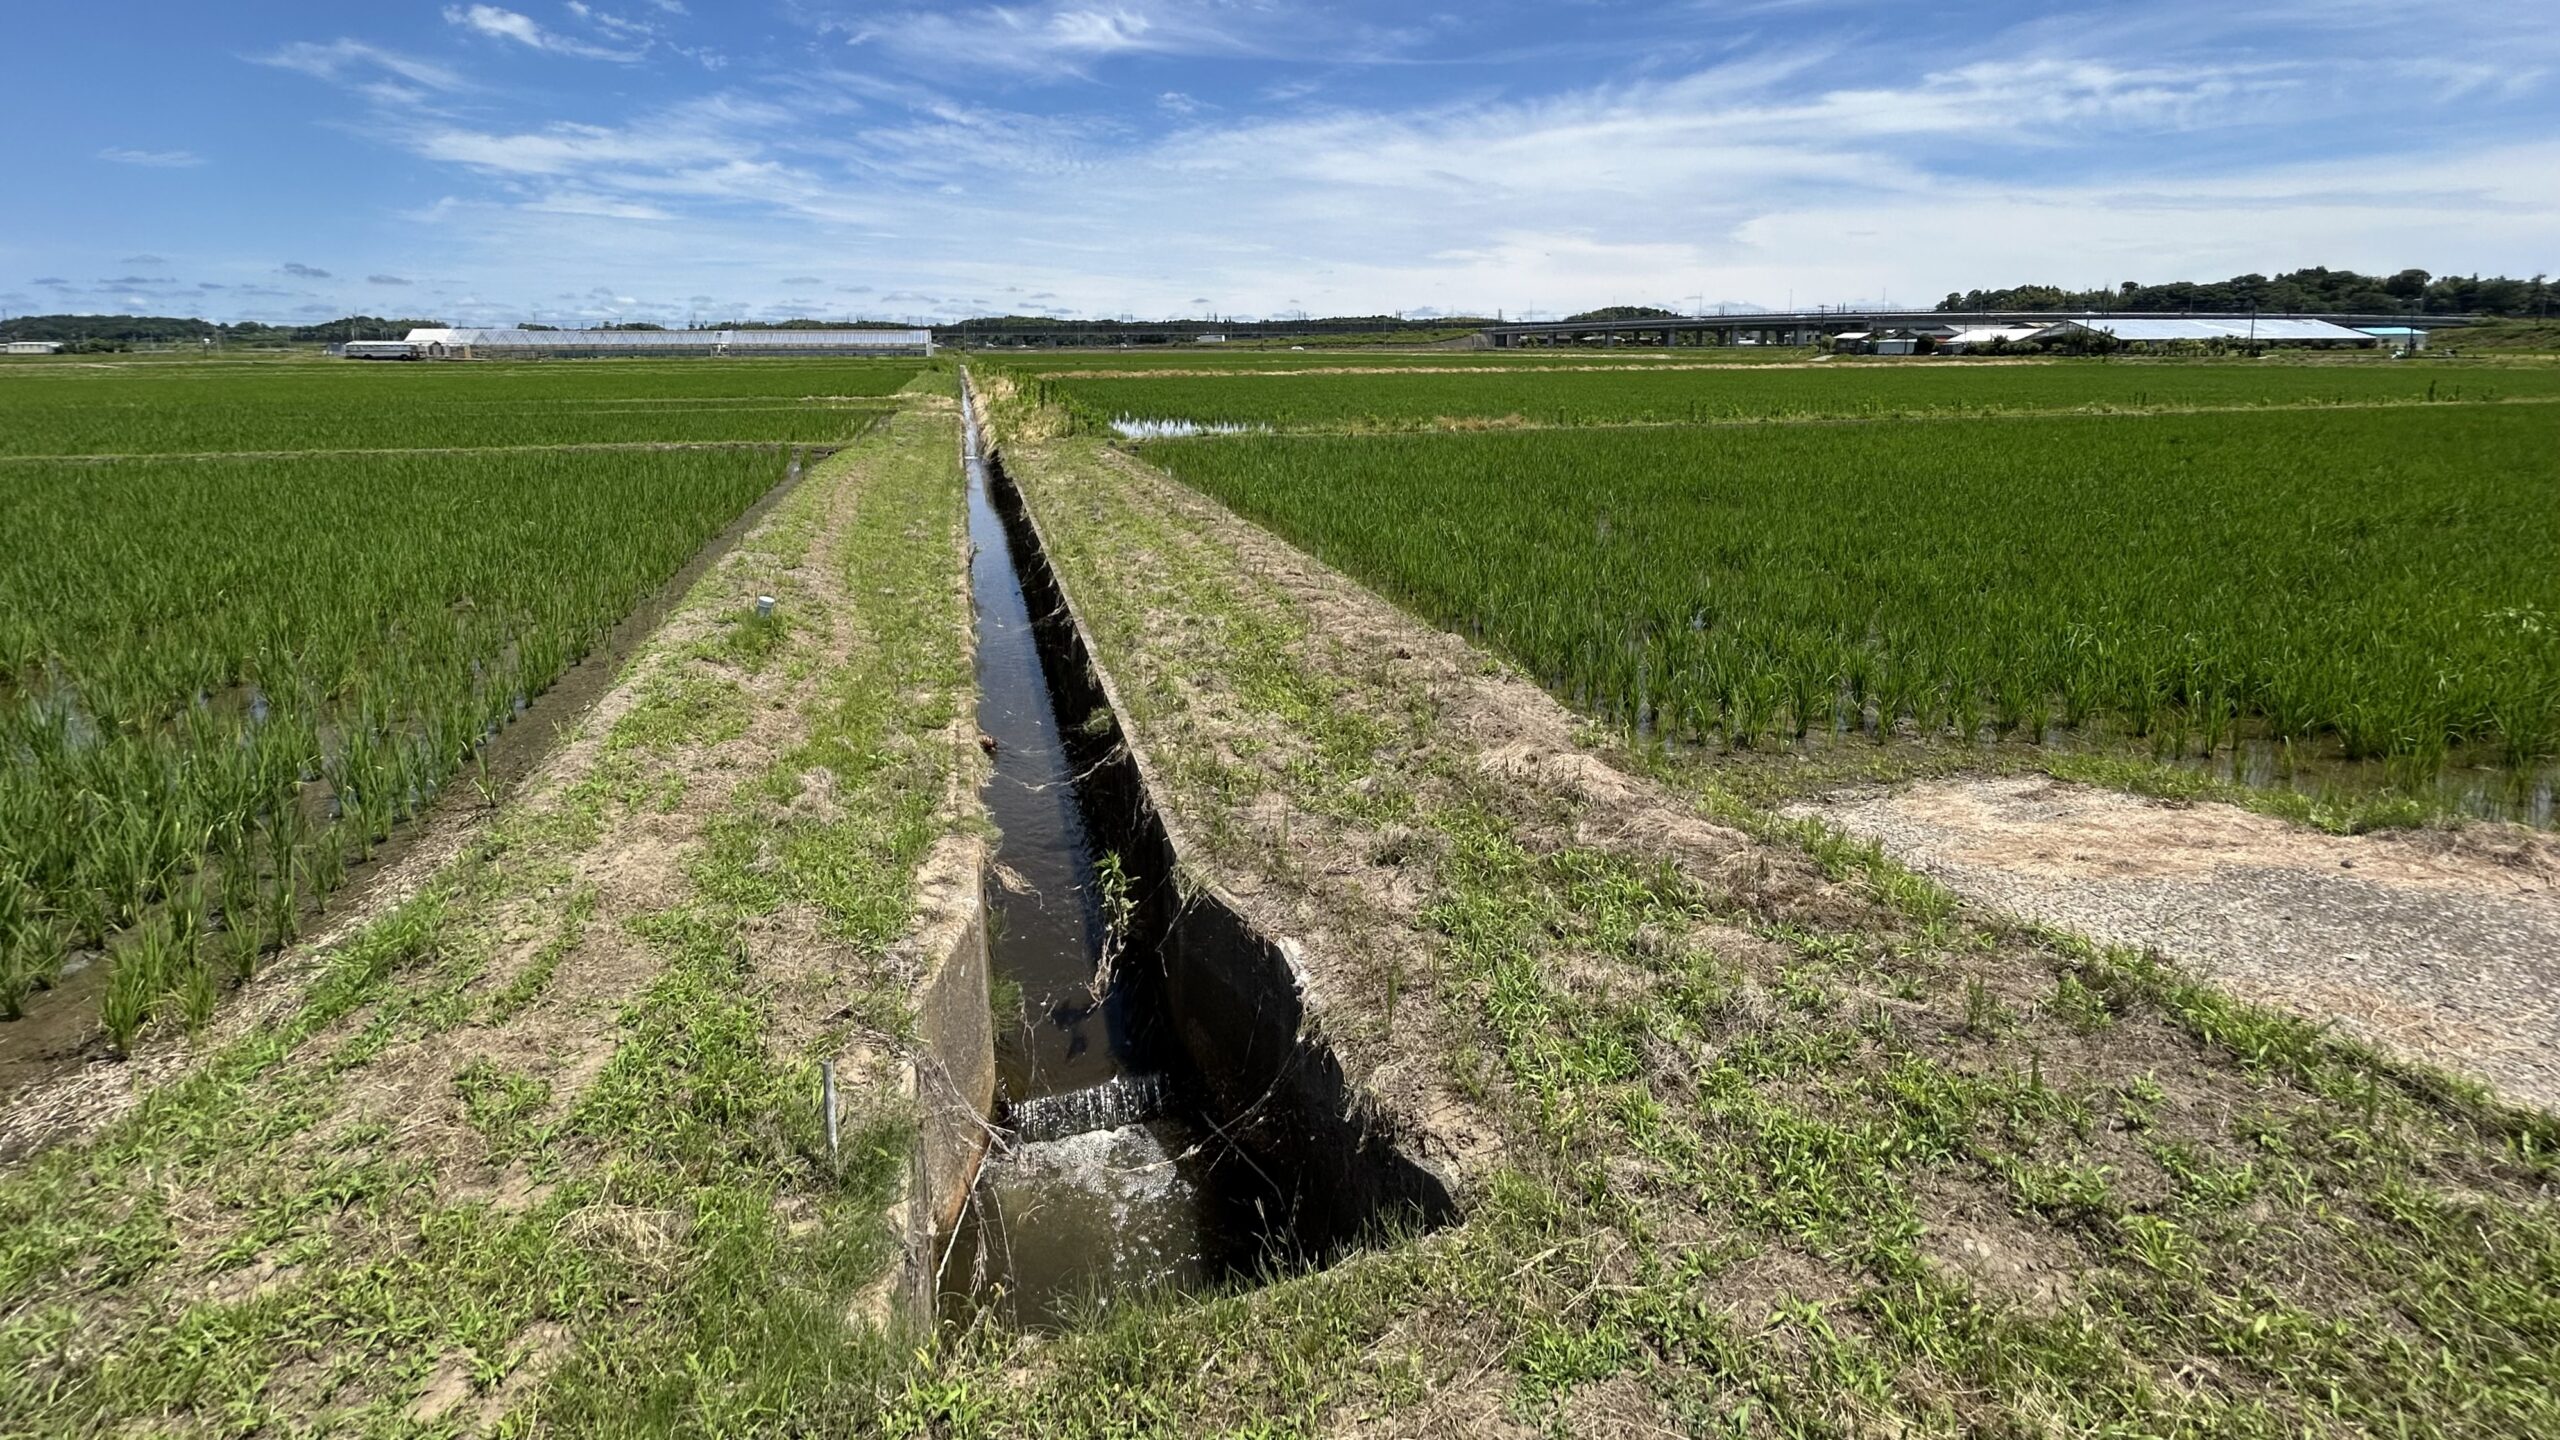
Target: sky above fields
[(680, 159)]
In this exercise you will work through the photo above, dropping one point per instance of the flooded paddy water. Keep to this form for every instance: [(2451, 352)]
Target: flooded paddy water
[(2475, 783)]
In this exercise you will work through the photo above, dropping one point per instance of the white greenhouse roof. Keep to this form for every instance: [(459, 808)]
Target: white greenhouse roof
[(2265, 328), (643, 340), (1985, 334)]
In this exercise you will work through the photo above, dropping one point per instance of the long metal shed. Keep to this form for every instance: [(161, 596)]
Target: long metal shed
[(2277, 330), (489, 343)]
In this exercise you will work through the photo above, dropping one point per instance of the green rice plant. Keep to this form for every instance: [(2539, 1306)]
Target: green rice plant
[(203, 410), (281, 916), (172, 708), (197, 989), (141, 970), (242, 945), (1510, 395), (2314, 579)]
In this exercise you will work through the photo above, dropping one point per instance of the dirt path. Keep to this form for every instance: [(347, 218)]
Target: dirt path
[(2443, 945)]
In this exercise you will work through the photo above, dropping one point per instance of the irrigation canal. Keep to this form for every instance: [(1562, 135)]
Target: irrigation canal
[(1105, 1181)]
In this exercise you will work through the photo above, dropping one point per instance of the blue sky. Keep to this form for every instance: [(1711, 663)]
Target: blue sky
[(675, 159)]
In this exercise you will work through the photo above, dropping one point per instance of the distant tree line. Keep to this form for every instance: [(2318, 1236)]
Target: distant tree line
[(2317, 290), (1622, 312), (117, 332)]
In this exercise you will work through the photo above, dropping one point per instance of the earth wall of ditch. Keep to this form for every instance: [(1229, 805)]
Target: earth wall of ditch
[(1235, 994)]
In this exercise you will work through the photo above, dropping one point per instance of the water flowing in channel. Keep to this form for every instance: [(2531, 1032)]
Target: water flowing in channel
[(1102, 1184)]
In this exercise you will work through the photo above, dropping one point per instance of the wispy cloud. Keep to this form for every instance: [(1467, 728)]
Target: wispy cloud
[(300, 271), (385, 280), (153, 159), (1068, 37), (514, 26), (384, 76), (623, 26), (579, 202)]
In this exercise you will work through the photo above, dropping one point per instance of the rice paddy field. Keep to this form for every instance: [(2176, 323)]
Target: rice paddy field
[(2347, 561), (231, 661), (1176, 359), (609, 1116), (1672, 394), (63, 409)]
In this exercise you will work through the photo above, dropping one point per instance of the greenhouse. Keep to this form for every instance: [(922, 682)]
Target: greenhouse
[(503, 344)]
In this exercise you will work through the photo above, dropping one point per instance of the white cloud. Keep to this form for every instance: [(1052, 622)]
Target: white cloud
[(521, 29), (359, 65), (620, 26), (153, 159), (1065, 37), (578, 202)]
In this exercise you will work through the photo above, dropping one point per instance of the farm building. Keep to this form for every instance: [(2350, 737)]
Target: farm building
[(1865, 342), (2268, 330), (1963, 340), (30, 347), (511, 344), (2398, 337)]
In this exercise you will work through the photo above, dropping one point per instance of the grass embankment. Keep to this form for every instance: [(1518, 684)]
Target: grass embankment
[(1788, 1142), (2518, 337), (537, 1148)]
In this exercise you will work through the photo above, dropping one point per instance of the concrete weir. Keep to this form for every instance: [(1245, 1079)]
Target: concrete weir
[(1191, 1096)]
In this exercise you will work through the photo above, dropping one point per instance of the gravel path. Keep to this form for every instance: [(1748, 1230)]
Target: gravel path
[(2440, 945)]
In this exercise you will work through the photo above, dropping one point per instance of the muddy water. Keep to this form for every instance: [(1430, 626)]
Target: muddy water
[(1045, 904), (1107, 1184), (2472, 791)]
